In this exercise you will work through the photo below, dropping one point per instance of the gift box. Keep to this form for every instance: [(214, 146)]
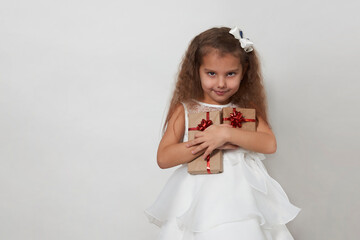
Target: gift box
[(199, 122), (240, 118)]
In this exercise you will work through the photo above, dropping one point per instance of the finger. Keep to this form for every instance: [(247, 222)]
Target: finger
[(190, 143), (210, 128), (199, 148), (193, 142), (207, 152), (200, 134)]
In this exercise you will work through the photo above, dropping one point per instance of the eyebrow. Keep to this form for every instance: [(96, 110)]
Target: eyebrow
[(209, 70)]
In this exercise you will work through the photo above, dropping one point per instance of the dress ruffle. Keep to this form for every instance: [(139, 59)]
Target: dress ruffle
[(244, 191)]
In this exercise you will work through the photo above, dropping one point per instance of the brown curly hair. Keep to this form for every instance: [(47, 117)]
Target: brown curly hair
[(251, 93)]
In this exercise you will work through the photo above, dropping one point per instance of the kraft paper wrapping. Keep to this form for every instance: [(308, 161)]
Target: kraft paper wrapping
[(199, 164), (248, 113)]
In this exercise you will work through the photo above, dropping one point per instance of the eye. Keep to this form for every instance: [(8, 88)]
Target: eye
[(231, 74), (211, 74)]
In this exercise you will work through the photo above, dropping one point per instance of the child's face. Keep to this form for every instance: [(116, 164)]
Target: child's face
[(220, 77)]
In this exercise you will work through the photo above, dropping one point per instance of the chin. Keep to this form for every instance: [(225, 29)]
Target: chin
[(221, 100)]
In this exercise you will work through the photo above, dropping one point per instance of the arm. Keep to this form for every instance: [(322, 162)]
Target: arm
[(263, 140), (171, 151)]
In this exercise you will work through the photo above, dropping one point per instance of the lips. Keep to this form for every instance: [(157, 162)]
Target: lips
[(220, 93)]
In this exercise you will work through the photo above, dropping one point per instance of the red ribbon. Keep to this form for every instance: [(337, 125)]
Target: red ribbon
[(236, 118), (205, 123)]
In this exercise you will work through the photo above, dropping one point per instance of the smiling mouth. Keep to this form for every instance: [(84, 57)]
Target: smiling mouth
[(220, 93)]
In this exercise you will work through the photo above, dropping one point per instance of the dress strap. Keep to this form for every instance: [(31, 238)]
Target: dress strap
[(185, 139)]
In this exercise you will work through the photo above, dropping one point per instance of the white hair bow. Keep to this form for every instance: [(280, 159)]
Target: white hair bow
[(245, 43)]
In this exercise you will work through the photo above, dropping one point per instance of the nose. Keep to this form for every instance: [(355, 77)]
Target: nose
[(221, 82)]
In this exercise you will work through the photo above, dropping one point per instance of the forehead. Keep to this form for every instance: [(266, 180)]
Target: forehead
[(221, 51), (217, 60)]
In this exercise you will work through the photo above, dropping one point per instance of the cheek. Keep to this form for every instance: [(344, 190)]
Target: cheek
[(236, 85), (206, 83), (235, 82)]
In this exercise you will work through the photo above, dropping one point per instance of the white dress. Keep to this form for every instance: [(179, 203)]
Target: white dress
[(242, 203)]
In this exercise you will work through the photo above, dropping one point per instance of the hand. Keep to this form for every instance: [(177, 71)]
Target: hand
[(214, 137)]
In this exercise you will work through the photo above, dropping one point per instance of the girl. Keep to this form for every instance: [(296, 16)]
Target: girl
[(220, 69)]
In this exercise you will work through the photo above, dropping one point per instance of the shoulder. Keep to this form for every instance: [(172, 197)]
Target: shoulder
[(179, 112), (176, 125)]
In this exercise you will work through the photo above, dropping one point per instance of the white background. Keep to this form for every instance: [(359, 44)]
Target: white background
[(84, 87)]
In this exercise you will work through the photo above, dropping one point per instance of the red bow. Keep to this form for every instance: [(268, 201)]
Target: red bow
[(204, 124), (236, 118)]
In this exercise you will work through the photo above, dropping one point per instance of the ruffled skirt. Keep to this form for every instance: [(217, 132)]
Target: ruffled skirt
[(243, 202)]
